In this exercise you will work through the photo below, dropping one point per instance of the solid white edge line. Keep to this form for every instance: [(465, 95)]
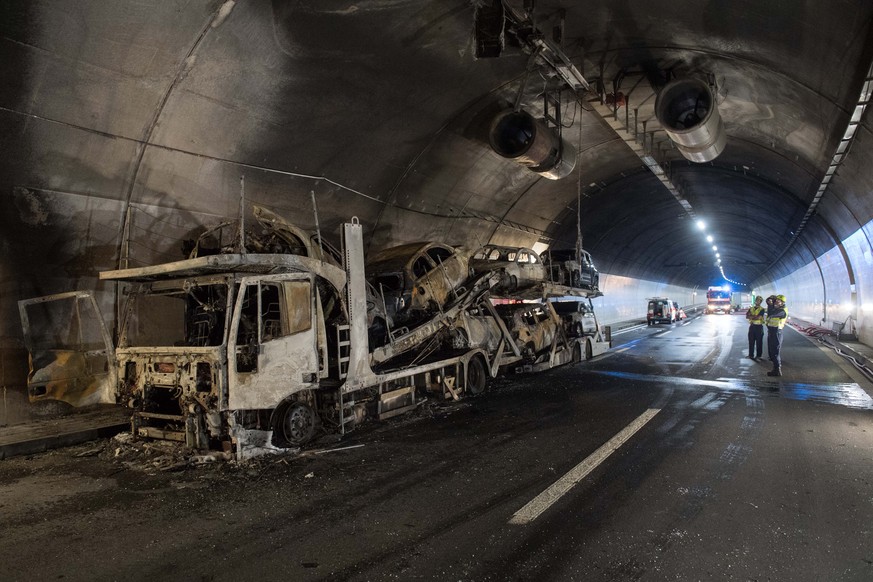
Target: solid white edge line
[(556, 490)]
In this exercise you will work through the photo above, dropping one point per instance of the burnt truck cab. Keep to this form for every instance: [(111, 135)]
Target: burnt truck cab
[(214, 346)]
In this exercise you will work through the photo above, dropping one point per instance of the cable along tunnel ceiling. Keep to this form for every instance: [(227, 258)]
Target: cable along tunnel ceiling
[(137, 120)]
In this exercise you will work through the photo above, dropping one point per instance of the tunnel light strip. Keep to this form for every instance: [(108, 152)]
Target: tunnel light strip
[(544, 500), (839, 156), (641, 151)]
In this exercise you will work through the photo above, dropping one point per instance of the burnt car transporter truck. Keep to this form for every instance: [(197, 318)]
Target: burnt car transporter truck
[(245, 352)]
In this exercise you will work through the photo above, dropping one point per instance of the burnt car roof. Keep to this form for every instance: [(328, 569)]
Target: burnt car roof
[(395, 258), (503, 249), (562, 254)]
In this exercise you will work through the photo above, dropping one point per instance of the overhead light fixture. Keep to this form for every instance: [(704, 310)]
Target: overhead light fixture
[(701, 225), (715, 248), (709, 238)]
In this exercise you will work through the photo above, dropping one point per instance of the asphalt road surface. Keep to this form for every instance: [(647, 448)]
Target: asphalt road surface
[(669, 458)]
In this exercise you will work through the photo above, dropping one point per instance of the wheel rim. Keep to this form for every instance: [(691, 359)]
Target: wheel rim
[(475, 376), (298, 423)]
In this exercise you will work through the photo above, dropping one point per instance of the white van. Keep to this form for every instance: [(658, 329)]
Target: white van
[(661, 310)]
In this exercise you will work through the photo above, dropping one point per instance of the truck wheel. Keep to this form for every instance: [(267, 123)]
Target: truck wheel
[(477, 377), (589, 353), (577, 353), (295, 424)]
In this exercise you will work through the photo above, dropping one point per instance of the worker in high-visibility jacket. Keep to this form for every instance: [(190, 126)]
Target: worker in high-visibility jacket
[(777, 315), (756, 315)]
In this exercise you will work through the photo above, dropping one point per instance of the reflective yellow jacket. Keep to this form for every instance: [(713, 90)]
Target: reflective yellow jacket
[(756, 315), (778, 318)]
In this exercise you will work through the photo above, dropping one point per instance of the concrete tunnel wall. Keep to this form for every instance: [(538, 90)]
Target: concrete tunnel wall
[(822, 292), (77, 116), (625, 298)]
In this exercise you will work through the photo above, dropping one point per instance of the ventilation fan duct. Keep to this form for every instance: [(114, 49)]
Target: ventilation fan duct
[(688, 113), (516, 135)]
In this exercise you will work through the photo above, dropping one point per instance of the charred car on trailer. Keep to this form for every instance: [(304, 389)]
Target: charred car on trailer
[(417, 279), (522, 267), (565, 268), (577, 317), (278, 236), (531, 326)]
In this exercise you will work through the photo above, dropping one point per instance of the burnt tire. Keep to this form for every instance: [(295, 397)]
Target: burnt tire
[(295, 424), (477, 376), (577, 353)]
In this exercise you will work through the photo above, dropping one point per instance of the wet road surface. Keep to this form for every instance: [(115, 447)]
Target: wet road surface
[(672, 457)]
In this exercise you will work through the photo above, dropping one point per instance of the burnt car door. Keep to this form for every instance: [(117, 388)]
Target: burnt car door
[(589, 277), (71, 354), (529, 267), (437, 272)]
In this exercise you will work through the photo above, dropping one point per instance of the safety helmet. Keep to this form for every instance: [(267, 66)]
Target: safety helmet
[(781, 298)]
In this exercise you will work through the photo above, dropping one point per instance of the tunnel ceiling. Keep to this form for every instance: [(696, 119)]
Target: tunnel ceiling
[(129, 125)]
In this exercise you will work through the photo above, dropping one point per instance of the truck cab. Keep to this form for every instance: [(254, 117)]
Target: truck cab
[(718, 300), (216, 345)]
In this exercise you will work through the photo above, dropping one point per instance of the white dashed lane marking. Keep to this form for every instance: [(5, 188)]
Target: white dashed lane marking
[(556, 490)]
